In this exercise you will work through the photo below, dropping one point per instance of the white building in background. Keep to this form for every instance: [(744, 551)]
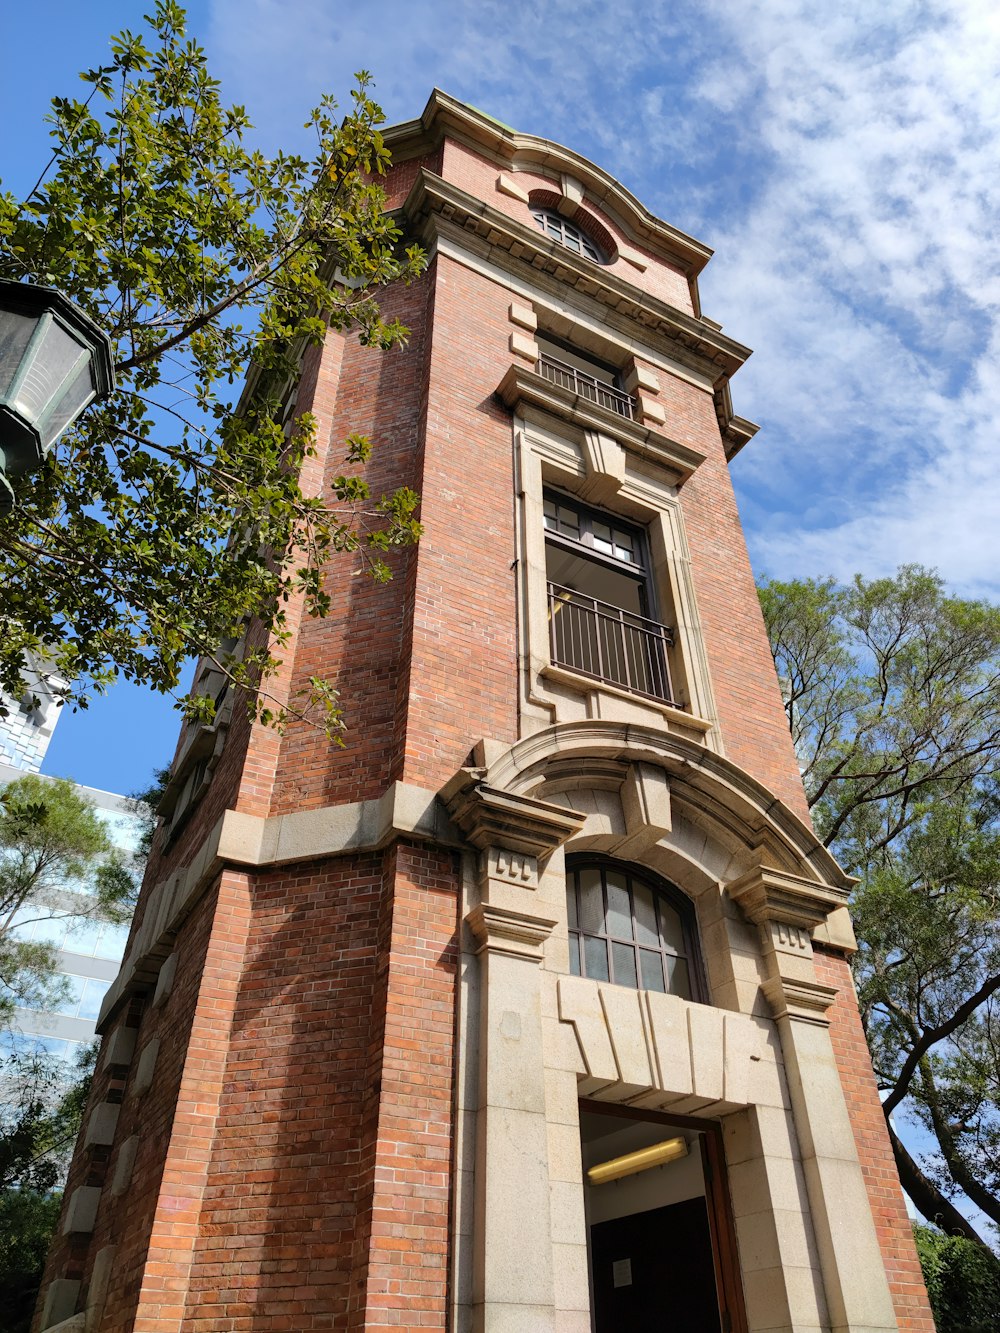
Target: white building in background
[(89, 952), (26, 730)]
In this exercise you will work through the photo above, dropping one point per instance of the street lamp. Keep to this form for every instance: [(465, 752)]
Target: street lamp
[(54, 361)]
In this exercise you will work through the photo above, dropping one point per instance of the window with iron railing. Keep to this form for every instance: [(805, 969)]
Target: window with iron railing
[(583, 375), (615, 400), (599, 600)]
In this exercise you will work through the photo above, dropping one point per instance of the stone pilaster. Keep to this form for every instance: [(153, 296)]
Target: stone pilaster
[(513, 1287), (786, 908)]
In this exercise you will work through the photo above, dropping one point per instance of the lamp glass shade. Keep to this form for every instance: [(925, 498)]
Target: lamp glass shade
[(55, 378), (54, 360), (15, 334)]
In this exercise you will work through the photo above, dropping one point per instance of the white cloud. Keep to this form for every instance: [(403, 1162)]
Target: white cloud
[(842, 161)]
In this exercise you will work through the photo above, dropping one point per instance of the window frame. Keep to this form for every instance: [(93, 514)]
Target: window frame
[(588, 247), (678, 901), (640, 571)]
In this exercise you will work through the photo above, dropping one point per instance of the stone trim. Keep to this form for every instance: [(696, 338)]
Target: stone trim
[(662, 1052), (721, 793), (805, 1001), (492, 818), (433, 198), (521, 386), (516, 934), (507, 186), (767, 895), (245, 840)]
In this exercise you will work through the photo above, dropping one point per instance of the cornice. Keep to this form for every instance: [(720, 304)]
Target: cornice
[(523, 385), (516, 934), (767, 895), (445, 116), (492, 818), (435, 205), (806, 1001)]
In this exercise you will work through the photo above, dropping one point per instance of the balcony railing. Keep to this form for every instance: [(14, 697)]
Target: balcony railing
[(587, 386), (609, 644)]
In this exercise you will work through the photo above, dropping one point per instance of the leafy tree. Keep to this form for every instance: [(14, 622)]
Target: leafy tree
[(892, 690), (164, 523), (963, 1282), (40, 1118), (56, 860)]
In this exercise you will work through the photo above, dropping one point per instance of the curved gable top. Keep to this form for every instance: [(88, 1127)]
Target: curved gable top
[(715, 789), (444, 115)]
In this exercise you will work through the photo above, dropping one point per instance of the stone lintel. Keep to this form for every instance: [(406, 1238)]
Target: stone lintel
[(768, 895), (500, 930), (490, 817), (522, 384), (805, 1001)]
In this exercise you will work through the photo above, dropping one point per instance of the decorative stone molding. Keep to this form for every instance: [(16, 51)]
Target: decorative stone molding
[(640, 377), (238, 839), (101, 1125), (523, 316), (767, 895), (514, 934), (59, 1303), (119, 1046), (145, 1066), (650, 411), (604, 459), (510, 187), (805, 1001), (517, 867), (520, 385), (523, 346), (706, 787), (438, 207), (645, 798), (572, 195), (165, 981), (492, 818), (81, 1212), (122, 1177), (658, 1050), (633, 257)]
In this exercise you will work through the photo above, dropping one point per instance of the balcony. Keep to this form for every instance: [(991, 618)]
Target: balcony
[(586, 386), (609, 644)]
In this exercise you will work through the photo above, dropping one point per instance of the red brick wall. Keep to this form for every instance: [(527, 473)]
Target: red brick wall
[(133, 1221), (364, 643), (335, 1107), (402, 1248), (888, 1209), (751, 716), (463, 673)]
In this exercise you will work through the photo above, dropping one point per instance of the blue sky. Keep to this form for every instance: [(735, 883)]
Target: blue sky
[(840, 159)]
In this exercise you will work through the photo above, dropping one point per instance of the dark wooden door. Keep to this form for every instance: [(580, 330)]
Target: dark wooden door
[(653, 1272)]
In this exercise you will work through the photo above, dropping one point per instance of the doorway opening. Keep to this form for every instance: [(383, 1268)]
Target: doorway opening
[(660, 1238)]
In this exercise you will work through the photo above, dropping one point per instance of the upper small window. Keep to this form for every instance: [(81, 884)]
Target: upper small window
[(629, 931), (567, 233)]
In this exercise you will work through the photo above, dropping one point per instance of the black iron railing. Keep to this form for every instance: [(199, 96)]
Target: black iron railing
[(587, 386), (609, 644)]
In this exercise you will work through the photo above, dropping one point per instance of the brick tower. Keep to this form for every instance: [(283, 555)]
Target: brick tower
[(529, 1011)]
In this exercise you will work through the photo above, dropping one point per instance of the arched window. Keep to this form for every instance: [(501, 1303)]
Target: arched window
[(629, 929), (567, 233)]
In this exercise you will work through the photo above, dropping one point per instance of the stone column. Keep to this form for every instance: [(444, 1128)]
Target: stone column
[(512, 1272), (787, 908)]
